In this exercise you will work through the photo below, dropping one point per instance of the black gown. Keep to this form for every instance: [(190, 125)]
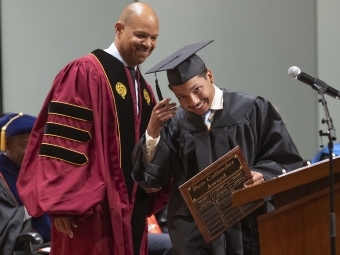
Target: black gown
[(10, 172), (187, 147), (11, 215)]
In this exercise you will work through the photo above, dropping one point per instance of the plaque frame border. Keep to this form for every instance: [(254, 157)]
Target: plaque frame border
[(184, 188)]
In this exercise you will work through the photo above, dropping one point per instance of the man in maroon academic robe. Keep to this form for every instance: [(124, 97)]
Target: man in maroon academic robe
[(77, 165)]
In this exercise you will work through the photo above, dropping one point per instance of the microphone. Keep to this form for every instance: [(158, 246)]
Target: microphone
[(295, 73)]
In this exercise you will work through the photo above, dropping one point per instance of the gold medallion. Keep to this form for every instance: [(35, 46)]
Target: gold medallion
[(121, 89), (146, 96)]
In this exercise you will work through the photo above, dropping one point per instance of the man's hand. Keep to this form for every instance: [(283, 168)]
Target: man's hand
[(257, 178), (162, 112), (65, 224)]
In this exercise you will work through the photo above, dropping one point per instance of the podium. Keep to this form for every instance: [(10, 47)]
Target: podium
[(300, 223)]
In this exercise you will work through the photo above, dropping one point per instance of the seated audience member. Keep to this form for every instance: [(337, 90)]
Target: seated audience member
[(159, 242), (324, 153), (11, 223), (15, 132)]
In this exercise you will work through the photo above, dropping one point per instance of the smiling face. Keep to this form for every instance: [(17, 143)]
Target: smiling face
[(197, 94), (136, 35)]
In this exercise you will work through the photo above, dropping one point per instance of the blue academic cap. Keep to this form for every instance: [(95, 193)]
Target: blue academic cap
[(15, 124)]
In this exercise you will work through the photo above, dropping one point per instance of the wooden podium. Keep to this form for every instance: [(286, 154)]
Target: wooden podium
[(300, 223)]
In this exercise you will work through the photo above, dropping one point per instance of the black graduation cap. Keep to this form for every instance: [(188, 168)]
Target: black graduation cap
[(181, 66)]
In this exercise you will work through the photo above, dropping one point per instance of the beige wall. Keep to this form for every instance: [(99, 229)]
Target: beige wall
[(40, 37), (255, 44), (328, 64)]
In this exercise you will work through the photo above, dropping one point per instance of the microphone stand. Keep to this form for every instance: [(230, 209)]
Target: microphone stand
[(332, 137)]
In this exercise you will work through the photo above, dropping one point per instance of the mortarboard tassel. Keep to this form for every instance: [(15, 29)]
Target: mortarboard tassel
[(3, 139), (3, 132), (159, 93)]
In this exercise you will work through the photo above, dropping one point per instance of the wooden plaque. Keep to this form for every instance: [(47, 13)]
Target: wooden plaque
[(208, 194)]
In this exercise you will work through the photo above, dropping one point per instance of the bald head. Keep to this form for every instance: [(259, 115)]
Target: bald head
[(136, 33), (137, 10)]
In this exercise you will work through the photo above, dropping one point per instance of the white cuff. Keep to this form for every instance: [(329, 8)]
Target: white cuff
[(150, 144), (149, 141)]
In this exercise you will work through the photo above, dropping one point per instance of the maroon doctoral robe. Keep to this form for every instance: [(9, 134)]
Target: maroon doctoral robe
[(78, 159)]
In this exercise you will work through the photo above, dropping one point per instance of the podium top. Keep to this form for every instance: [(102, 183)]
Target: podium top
[(285, 182)]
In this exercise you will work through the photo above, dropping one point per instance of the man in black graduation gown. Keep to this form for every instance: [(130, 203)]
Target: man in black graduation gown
[(182, 146)]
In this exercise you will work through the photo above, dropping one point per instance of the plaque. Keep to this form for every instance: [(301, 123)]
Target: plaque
[(208, 194)]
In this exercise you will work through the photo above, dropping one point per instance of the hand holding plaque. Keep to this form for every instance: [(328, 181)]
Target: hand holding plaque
[(208, 194), (256, 178)]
